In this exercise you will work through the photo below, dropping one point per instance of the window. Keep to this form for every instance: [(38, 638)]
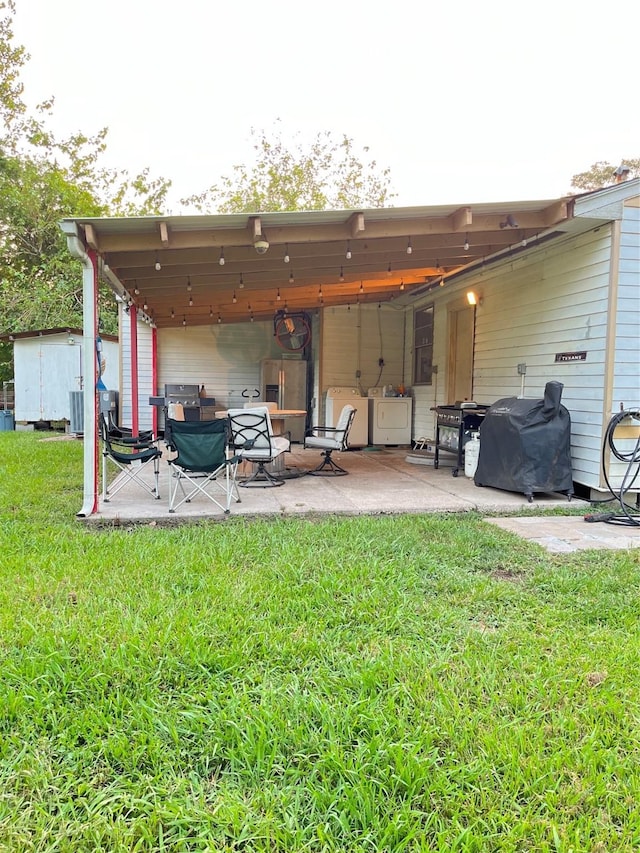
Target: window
[(423, 346)]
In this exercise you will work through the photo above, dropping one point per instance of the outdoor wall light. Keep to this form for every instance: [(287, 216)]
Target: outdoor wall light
[(473, 298), (510, 222)]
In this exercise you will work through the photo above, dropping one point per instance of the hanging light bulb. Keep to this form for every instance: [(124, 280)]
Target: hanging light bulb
[(389, 269), (361, 288), (219, 318), (291, 279), (221, 258), (145, 307), (348, 254), (438, 267), (442, 282), (191, 302), (278, 297), (409, 247), (189, 285), (341, 274), (466, 243), (286, 254), (136, 289), (241, 282), (524, 240), (210, 311), (320, 292), (184, 320), (233, 298), (402, 284), (173, 314), (158, 264)]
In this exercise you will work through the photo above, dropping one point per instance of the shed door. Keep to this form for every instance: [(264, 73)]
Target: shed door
[(461, 333)]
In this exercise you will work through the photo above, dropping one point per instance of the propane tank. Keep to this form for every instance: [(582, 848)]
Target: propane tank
[(471, 454)]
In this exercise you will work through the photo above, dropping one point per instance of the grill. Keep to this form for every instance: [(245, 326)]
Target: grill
[(454, 425), (195, 408)]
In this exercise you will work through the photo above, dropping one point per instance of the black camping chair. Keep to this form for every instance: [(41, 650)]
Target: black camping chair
[(131, 457), (126, 433), (203, 463), (329, 439)]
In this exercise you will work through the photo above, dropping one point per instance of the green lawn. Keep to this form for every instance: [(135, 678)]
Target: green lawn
[(419, 683)]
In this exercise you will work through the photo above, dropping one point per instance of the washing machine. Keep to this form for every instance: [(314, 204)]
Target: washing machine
[(389, 418), (335, 399)]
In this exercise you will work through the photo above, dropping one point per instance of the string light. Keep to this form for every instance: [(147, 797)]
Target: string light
[(291, 279), (278, 297), (189, 285), (389, 269), (136, 289), (341, 274), (210, 311), (158, 264), (409, 247), (241, 281), (348, 254), (466, 243), (402, 284), (145, 307), (233, 299), (286, 253), (191, 302), (173, 314), (221, 258), (184, 320), (219, 318), (361, 288)]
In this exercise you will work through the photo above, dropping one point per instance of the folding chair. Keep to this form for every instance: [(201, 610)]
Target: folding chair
[(131, 457), (329, 439), (203, 463), (253, 440), (122, 432)]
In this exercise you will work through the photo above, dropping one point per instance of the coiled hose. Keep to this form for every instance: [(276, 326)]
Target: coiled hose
[(632, 458)]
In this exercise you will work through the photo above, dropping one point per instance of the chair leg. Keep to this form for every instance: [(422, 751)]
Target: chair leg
[(261, 479), (328, 466)]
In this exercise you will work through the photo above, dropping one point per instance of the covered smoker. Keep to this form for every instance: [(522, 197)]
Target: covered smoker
[(525, 445)]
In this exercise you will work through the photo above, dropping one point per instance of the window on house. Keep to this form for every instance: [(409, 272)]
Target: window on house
[(423, 346)]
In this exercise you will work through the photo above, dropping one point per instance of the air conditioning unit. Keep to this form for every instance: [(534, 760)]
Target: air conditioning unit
[(76, 405)]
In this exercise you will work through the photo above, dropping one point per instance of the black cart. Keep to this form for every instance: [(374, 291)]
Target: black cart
[(454, 425)]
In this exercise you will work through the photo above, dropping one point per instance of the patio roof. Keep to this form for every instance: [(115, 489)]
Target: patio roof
[(192, 270)]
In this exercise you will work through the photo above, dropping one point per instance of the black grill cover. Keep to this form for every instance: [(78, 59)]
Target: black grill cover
[(525, 445)]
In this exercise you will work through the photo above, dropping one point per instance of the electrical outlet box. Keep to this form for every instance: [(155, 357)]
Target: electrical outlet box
[(522, 368), (434, 368), (381, 362), (358, 374)]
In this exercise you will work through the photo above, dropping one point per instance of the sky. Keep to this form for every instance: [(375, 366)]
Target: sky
[(463, 101)]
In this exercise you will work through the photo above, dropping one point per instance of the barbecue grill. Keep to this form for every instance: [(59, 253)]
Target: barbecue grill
[(188, 397), (454, 425)]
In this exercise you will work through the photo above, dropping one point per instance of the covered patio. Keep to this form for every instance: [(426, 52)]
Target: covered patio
[(381, 481)]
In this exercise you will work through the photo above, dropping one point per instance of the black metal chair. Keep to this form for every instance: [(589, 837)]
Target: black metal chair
[(329, 439), (253, 440), (126, 433), (203, 463), (131, 457)]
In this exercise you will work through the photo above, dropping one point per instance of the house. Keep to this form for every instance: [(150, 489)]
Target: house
[(204, 300), (49, 374)]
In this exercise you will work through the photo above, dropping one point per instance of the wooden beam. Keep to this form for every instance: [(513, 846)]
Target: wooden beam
[(164, 233), (91, 237), (461, 219), (356, 224), (555, 213), (255, 227)]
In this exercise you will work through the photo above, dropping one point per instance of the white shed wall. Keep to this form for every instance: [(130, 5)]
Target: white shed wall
[(47, 368)]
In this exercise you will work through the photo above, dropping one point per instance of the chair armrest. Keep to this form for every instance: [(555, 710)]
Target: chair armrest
[(321, 429)]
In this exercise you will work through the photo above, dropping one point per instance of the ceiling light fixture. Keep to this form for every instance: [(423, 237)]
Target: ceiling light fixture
[(286, 253), (409, 246), (348, 254), (221, 258)]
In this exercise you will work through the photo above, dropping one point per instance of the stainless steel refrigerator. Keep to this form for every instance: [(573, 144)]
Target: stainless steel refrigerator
[(284, 381)]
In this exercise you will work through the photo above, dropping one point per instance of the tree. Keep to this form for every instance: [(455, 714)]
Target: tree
[(602, 174), (42, 180), (327, 174)]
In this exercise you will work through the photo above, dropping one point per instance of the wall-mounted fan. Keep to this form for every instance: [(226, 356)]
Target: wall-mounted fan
[(292, 331)]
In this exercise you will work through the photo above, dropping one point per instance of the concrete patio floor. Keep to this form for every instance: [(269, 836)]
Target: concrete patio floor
[(381, 481)]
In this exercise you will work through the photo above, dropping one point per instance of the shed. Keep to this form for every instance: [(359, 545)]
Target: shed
[(49, 367)]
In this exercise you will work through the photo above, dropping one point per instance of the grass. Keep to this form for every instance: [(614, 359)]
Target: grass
[(416, 683)]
